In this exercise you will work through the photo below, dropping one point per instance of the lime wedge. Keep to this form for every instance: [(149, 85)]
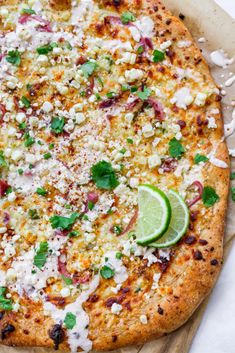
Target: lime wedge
[(178, 224), (154, 214)]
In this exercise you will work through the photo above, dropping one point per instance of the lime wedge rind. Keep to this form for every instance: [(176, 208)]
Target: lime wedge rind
[(176, 229), (154, 214)]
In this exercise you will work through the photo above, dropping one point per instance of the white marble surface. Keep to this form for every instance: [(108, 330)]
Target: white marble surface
[(216, 333)]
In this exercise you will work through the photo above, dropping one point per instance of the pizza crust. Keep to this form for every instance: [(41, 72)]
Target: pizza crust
[(187, 281)]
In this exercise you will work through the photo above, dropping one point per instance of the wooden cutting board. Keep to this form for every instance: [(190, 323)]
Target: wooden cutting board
[(216, 26)]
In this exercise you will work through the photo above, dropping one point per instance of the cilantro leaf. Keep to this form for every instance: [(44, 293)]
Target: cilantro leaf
[(70, 321), (67, 280), (140, 49), (64, 223), (41, 255), (209, 196), (33, 214), (158, 56), (3, 163), (5, 304), (29, 141), (233, 193), (175, 148), (127, 17), (88, 68), (13, 57), (28, 11), (25, 102), (41, 191), (106, 272), (200, 158), (45, 49), (144, 94), (57, 125), (232, 176), (104, 176)]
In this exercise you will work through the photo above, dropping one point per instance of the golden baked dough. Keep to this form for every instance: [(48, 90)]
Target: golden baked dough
[(107, 83)]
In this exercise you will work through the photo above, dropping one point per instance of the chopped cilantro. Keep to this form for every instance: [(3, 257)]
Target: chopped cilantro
[(158, 56), (57, 125), (9, 190), (233, 193), (31, 166), (123, 150), (117, 230), (143, 95), (106, 272), (134, 89), (13, 57), (28, 11), (129, 140), (74, 233), (5, 304), (200, 158), (29, 141), (70, 321), (127, 17), (33, 214), (111, 94), (41, 255), (41, 191), (28, 87), (45, 49), (232, 176), (3, 162), (47, 155), (85, 217), (125, 87), (51, 146), (90, 205), (88, 68), (175, 148), (104, 176), (25, 102), (209, 196), (67, 280), (20, 171), (22, 126), (140, 49), (119, 255), (100, 81), (64, 223)]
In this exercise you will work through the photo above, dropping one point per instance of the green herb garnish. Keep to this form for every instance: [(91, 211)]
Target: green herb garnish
[(143, 95), (104, 176), (106, 272), (33, 214), (5, 304), (45, 49), (233, 193), (13, 57), (57, 125), (127, 17), (175, 148), (209, 196), (41, 191), (25, 102), (200, 158), (88, 68), (158, 56), (67, 280), (41, 255), (47, 155), (28, 11), (70, 321), (64, 223), (3, 162)]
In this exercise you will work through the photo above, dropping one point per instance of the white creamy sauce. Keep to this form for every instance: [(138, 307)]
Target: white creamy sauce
[(120, 272), (220, 58), (109, 45), (78, 336), (230, 127), (218, 162), (182, 98), (81, 11), (230, 81), (184, 43), (146, 26)]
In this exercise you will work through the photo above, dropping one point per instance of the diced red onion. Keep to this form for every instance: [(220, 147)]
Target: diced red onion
[(107, 103), (2, 111), (45, 24), (133, 104), (131, 223), (157, 107), (3, 187), (6, 218), (169, 165), (199, 186), (92, 197)]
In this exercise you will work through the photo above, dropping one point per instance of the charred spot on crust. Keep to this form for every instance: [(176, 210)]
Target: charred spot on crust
[(93, 298), (114, 338), (203, 241), (197, 255), (182, 16), (214, 262), (6, 330), (191, 239), (2, 315), (160, 311), (57, 335)]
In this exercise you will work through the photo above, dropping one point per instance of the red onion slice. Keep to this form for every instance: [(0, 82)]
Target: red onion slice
[(3, 187), (77, 279), (199, 186), (158, 109), (131, 223), (2, 111)]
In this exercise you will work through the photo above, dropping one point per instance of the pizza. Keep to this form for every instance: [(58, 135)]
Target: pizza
[(114, 174)]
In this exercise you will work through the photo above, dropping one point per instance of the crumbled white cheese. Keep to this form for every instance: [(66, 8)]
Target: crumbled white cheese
[(182, 98), (211, 123), (133, 75), (154, 161), (116, 308), (143, 319)]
